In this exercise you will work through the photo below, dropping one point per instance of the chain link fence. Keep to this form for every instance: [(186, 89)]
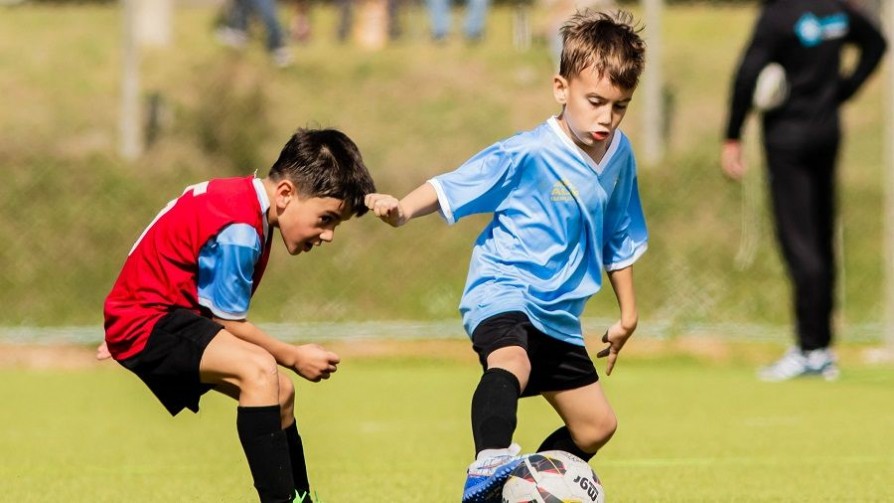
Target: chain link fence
[(72, 207)]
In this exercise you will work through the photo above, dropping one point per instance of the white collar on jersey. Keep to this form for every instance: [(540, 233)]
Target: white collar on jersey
[(598, 167), (263, 200)]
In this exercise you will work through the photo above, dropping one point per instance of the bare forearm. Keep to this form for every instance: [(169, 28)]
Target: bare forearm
[(420, 202), (249, 332), (310, 361), (622, 284)]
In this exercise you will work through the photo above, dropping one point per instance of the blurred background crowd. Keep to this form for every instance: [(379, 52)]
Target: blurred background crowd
[(210, 88)]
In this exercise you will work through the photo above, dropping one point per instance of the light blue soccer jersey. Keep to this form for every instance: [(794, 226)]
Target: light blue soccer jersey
[(559, 219)]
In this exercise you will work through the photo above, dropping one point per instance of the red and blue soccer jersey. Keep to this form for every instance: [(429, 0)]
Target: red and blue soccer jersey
[(175, 263)]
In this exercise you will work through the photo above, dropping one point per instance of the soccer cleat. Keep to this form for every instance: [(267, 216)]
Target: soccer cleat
[(484, 482), (822, 362), (797, 363)]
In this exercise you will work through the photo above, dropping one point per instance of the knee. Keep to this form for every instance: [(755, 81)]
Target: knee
[(596, 433), (286, 393), (286, 400), (258, 370), (513, 359)]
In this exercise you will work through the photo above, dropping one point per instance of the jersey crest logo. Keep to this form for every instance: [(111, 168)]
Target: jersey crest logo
[(563, 191), (812, 30)]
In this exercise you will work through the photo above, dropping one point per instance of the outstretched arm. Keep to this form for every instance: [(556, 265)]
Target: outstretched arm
[(420, 202), (616, 336), (310, 361)]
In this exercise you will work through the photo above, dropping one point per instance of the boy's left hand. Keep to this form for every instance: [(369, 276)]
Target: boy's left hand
[(616, 336), (315, 363)]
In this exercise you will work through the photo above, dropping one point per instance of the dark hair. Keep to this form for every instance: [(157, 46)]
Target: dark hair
[(325, 163), (607, 42)]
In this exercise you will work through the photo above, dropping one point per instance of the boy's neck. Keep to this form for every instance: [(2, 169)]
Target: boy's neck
[(596, 151), (270, 189)]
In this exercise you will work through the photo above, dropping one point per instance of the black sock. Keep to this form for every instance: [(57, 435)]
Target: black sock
[(494, 409), (299, 465), (560, 440), (267, 452)]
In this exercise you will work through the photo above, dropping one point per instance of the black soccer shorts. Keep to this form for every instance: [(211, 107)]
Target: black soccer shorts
[(169, 364), (555, 365)]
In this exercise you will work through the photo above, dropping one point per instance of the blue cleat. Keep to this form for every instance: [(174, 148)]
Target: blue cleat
[(484, 483)]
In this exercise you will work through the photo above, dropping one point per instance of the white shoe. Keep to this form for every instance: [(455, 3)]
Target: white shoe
[(231, 37), (797, 363), (792, 364), (282, 57), (822, 362)]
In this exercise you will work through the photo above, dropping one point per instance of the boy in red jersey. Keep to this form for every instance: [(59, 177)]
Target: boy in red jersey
[(176, 316)]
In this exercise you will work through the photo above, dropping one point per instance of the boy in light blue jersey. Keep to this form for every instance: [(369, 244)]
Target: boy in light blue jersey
[(565, 207)]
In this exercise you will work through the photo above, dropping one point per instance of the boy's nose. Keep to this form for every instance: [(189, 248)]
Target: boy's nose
[(327, 236)]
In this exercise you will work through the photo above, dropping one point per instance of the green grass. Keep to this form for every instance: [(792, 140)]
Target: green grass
[(396, 429), (72, 208)]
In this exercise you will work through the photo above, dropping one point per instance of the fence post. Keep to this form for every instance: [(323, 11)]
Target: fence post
[(653, 102), (130, 141)]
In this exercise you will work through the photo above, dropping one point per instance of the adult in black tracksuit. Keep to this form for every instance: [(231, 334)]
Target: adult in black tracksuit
[(801, 138)]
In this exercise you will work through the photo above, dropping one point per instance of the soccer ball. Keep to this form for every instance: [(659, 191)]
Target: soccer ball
[(771, 89), (553, 477)]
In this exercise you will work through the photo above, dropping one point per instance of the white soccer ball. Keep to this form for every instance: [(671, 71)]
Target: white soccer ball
[(771, 89), (553, 477)]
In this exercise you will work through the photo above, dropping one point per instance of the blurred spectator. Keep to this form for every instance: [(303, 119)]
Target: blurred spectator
[(558, 12), (234, 31), (801, 136), (476, 17), (300, 26), (372, 8)]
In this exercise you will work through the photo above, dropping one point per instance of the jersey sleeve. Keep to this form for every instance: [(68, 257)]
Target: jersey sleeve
[(627, 236), (226, 268), (480, 185)]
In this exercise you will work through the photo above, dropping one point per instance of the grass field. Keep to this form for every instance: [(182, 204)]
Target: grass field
[(392, 426)]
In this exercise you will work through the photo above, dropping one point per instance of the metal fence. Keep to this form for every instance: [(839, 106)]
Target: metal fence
[(72, 205)]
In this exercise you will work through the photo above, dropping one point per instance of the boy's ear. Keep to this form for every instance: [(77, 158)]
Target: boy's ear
[(560, 89), (284, 191)]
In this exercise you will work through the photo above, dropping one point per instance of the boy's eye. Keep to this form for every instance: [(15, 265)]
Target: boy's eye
[(621, 106)]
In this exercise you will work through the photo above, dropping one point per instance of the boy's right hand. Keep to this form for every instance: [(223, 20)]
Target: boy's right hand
[(731, 160), (387, 208), (616, 336), (314, 363)]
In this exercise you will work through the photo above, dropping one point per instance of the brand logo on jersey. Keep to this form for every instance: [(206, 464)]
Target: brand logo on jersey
[(811, 30), (563, 191)]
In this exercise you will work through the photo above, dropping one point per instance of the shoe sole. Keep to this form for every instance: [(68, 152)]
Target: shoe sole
[(479, 493)]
